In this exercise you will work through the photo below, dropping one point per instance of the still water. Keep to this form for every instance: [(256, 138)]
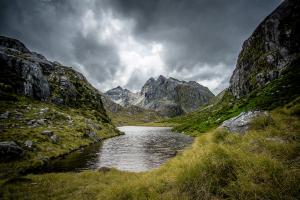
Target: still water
[(140, 149)]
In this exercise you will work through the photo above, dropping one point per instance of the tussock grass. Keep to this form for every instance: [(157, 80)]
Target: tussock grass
[(261, 164), (69, 124)]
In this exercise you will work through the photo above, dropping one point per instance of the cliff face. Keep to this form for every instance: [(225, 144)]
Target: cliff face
[(273, 47), (174, 95), (31, 74), (169, 96), (46, 109)]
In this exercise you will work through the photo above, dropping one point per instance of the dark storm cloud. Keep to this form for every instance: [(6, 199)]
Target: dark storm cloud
[(54, 28), (207, 31), (200, 38)]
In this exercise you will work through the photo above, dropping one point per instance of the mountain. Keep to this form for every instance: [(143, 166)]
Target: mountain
[(169, 96), (122, 96), (266, 74), (271, 49), (47, 109), (129, 115)]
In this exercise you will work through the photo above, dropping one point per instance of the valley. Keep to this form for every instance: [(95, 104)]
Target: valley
[(61, 138)]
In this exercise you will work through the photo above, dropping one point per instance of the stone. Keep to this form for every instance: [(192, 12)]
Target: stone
[(240, 123), (271, 49), (92, 135), (41, 121), (169, 96), (54, 138), (4, 115), (47, 132), (31, 122), (9, 150), (44, 110), (28, 144)]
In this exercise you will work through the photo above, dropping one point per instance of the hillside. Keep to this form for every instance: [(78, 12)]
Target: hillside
[(266, 74), (47, 109), (256, 159), (129, 115)]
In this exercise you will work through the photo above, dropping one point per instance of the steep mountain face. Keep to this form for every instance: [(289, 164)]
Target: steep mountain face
[(166, 95), (130, 114), (122, 96), (31, 74), (46, 109), (170, 93), (270, 50)]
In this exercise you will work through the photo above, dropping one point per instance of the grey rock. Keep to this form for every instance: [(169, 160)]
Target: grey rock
[(92, 135), (169, 96), (34, 76), (41, 121), (44, 110), (13, 44), (272, 47), (9, 150), (4, 115), (31, 122), (54, 138), (47, 132), (240, 123), (29, 79), (28, 144)]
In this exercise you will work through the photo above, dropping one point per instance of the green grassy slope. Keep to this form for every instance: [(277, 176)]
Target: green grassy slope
[(277, 93), (71, 125), (262, 164)]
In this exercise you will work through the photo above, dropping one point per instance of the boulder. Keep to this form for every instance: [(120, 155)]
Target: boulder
[(9, 150), (240, 123), (54, 138), (47, 132), (92, 135), (4, 115), (28, 144)]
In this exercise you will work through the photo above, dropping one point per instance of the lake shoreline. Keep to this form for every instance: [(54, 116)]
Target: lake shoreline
[(152, 143)]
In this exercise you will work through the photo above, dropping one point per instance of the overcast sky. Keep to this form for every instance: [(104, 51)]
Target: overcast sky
[(125, 42)]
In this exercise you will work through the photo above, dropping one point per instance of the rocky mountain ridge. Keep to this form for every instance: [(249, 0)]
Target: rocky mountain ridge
[(46, 109), (273, 47), (167, 95)]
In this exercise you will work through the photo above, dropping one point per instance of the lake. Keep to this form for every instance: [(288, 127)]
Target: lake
[(139, 149)]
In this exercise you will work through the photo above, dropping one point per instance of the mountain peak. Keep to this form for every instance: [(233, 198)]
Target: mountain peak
[(13, 44)]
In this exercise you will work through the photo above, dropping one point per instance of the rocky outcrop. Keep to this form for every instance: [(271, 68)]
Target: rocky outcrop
[(121, 96), (273, 46), (9, 150), (21, 72), (169, 96), (170, 93), (240, 123), (30, 74)]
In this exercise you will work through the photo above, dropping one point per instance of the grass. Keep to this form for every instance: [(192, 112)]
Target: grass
[(69, 124), (277, 93), (262, 164), (126, 117)]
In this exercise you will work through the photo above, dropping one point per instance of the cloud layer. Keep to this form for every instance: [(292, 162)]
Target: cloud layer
[(117, 42)]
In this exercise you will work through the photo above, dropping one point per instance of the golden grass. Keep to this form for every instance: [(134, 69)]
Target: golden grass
[(262, 164)]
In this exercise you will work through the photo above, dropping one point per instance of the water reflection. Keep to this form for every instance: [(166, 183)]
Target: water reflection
[(140, 149)]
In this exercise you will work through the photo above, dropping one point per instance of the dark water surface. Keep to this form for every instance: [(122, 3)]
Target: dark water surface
[(140, 149)]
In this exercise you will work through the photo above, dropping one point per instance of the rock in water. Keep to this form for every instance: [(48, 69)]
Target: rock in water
[(240, 123), (273, 47), (9, 150)]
